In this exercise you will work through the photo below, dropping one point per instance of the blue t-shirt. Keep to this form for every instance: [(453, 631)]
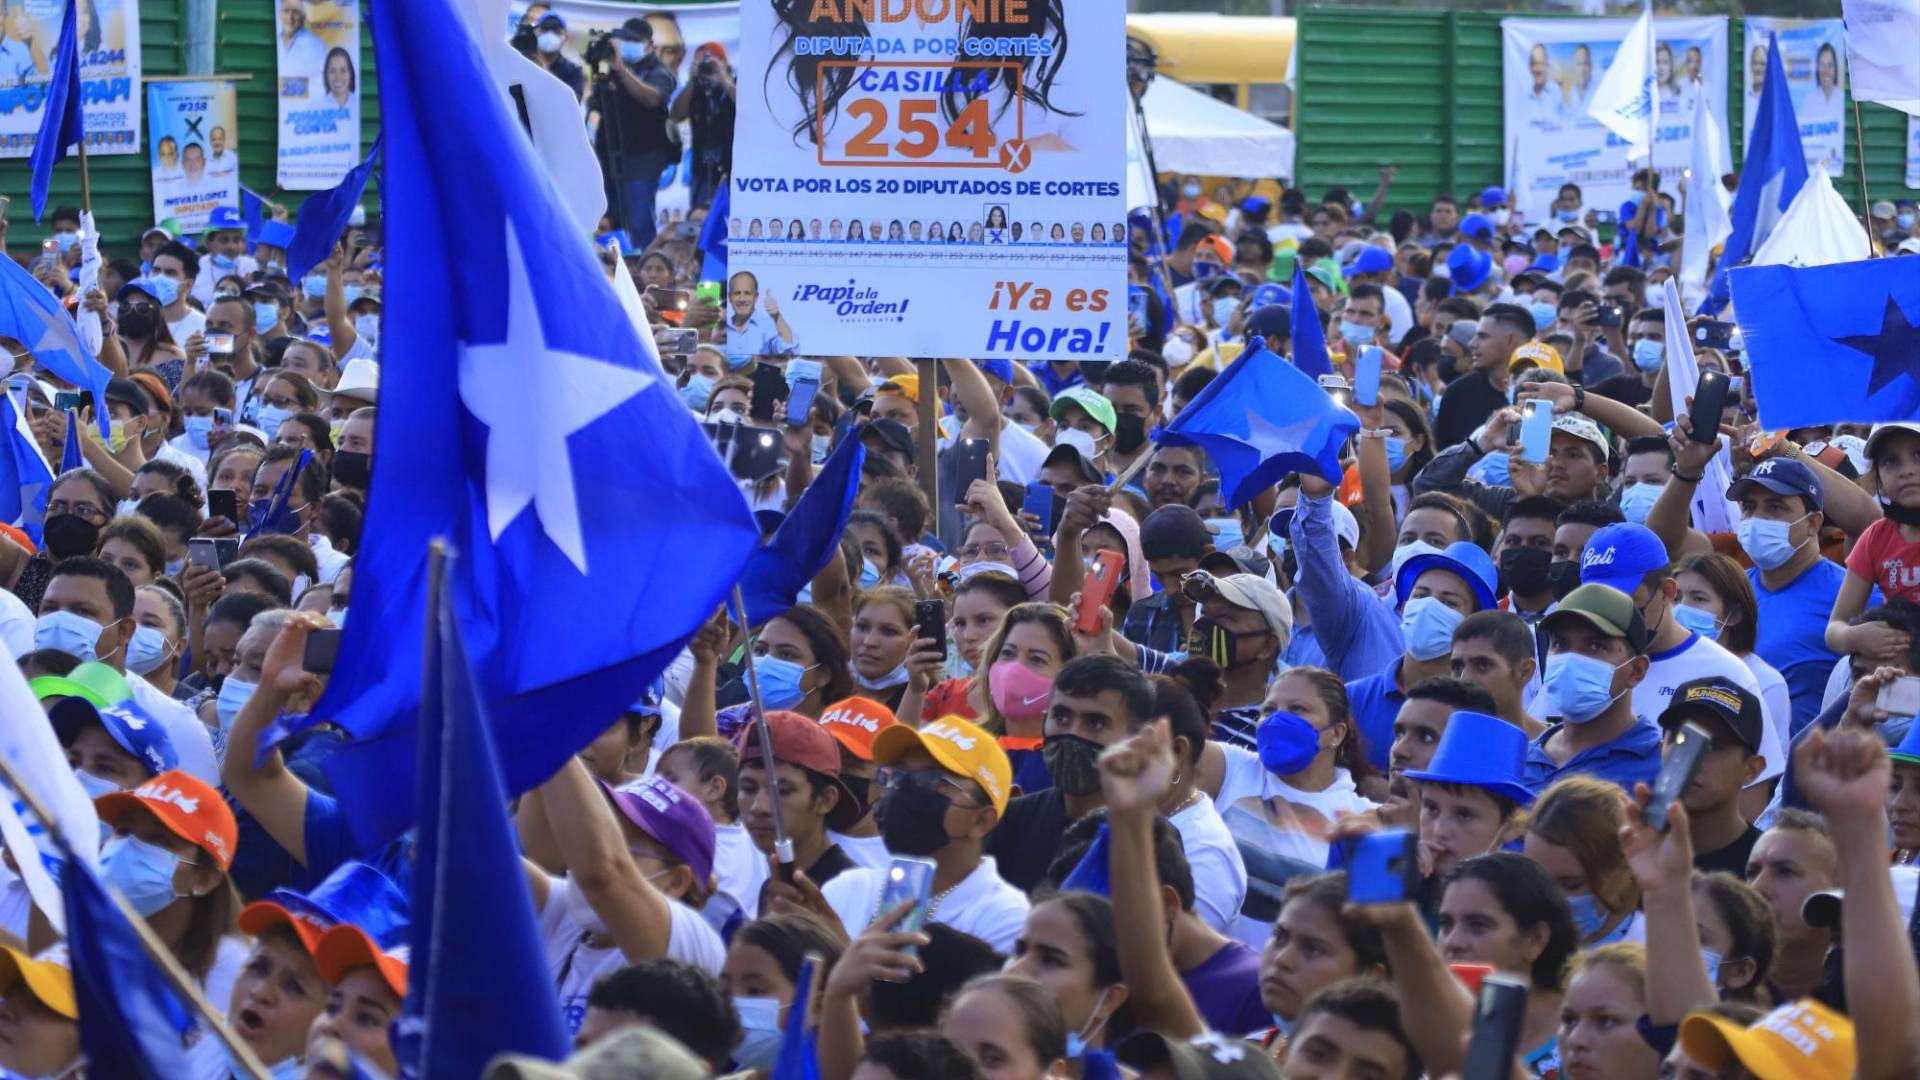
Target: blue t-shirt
[(1792, 635), (1375, 702), (1631, 756)]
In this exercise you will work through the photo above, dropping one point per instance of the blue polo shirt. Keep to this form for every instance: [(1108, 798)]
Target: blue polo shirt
[(1792, 632), (1631, 756), (1374, 702)]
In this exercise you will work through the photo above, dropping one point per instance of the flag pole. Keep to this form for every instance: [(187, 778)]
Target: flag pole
[(1128, 473), (182, 983), (1866, 201), (763, 735), (86, 187)]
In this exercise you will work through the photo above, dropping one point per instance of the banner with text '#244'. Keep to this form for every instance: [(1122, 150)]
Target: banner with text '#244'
[(934, 177)]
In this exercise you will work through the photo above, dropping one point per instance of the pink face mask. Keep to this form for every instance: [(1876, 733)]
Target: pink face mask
[(1019, 692), (1515, 264)]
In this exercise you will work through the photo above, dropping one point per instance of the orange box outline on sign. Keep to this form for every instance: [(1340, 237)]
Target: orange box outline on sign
[(820, 97)]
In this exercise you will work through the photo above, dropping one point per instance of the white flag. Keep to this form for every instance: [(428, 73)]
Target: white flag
[(33, 753), (628, 294), (87, 321), (1883, 52), (1712, 513), (1817, 229), (1624, 99), (1707, 223)]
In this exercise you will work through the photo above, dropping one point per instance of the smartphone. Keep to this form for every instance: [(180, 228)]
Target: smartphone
[(930, 621), (68, 400), (751, 453), (1471, 976), (1536, 430), (1610, 315), (212, 552), (708, 291), (1366, 376), (1097, 590), (908, 879), (1709, 397), (224, 503), (1137, 303), (1040, 502), (970, 464), (1678, 766), (222, 418), (1384, 867), (688, 230), (670, 303), (322, 647), (769, 388), (219, 344), (1497, 1015), (1901, 697), (1513, 433), (677, 342), (1605, 217), (1711, 334)]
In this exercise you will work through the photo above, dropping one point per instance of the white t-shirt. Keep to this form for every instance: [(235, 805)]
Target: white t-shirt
[(983, 904), (191, 739), (1021, 454), (739, 868), (1699, 658), (331, 561), (16, 624), (244, 267), (1266, 812), (1774, 695), (1219, 873), (566, 922), (869, 852), (187, 325)]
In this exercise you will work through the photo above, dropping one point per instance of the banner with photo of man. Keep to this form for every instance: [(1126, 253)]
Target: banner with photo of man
[(1814, 52), (317, 46), (948, 187), (1550, 69), (195, 157), (109, 46)]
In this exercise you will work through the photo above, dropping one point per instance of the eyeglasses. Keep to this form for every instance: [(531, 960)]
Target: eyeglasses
[(992, 549), (927, 780), (86, 510)]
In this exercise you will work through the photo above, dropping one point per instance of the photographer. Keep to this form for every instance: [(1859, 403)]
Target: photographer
[(549, 37), (635, 142), (708, 104)]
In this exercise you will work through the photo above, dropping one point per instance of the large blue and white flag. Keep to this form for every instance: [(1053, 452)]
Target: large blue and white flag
[(34, 754), (1774, 172), (30, 315), (597, 529), (25, 476), (1819, 229), (61, 122), (1624, 99), (1828, 344)]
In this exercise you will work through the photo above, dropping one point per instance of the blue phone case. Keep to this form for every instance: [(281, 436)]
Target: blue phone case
[(1536, 431), (908, 879), (1366, 376), (1039, 502), (1383, 867)]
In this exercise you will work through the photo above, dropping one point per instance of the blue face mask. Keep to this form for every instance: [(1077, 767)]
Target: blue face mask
[(1223, 308), (351, 292), (1647, 354), (1565, 250), (1768, 543), (265, 315), (760, 1032), (1427, 626), (1543, 317), (142, 872), (1712, 960), (147, 651), (1354, 333), (314, 285), (1588, 915), (822, 446), (698, 389), (165, 289), (633, 51), (93, 785), (1396, 452), (234, 695), (224, 262), (1637, 502), (368, 327), (65, 241), (1288, 743), (869, 574), (261, 519), (270, 417), (1700, 622), (73, 634), (1568, 215), (779, 681), (1904, 219), (199, 429), (1579, 687)]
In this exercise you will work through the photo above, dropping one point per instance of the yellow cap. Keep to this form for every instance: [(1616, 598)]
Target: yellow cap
[(961, 747), (907, 386), (1538, 353), (1802, 1040), (51, 982)]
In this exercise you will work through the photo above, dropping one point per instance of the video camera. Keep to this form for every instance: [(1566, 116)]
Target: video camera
[(601, 45)]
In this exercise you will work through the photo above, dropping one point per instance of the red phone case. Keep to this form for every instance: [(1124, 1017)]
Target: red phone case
[(1097, 590)]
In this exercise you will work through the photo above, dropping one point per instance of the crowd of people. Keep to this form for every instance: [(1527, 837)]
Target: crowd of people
[(1316, 773)]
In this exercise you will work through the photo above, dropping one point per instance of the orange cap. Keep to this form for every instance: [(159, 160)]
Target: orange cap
[(855, 722), (263, 915), (1219, 246), (185, 805), (347, 947)]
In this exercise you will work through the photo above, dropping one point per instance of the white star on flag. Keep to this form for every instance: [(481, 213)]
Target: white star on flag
[(532, 397), (1270, 439), (60, 337)]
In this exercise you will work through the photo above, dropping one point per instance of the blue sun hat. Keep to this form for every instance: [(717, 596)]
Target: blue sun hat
[(1480, 751)]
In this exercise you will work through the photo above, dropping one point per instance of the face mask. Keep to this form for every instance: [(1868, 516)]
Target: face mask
[(234, 695), (1656, 296), (67, 535), (1647, 354), (367, 326), (1904, 219), (1526, 570), (1587, 914), (271, 417), (1077, 1041), (314, 286), (265, 315), (1544, 316), (135, 325), (549, 42), (147, 651), (1565, 250), (913, 820), (352, 467), (1019, 692), (869, 574), (779, 681), (116, 435), (1501, 216), (141, 872), (125, 507), (352, 292), (822, 446), (897, 677), (1427, 626), (1396, 452), (1580, 687), (1288, 743), (1073, 762), (1354, 333), (1712, 960), (1223, 308), (174, 566), (1129, 432), (1177, 352), (1768, 543), (93, 785), (759, 1028), (66, 240), (986, 567), (1513, 264), (338, 617), (633, 51), (73, 634), (1220, 644), (224, 262), (1191, 191), (199, 430), (698, 389), (1637, 501), (1568, 215), (1700, 622)]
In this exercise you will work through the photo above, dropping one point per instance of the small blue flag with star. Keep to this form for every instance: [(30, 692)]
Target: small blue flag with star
[(713, 235), (61, 122), (1309, 336), (1260, 420), (1832, 343), (324, 216), (30, 315), (596, 527), (1774, 171), (71, 456), (25, 477)]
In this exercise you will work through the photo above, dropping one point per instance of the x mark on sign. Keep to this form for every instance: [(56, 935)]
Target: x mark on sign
[(1015, 155)]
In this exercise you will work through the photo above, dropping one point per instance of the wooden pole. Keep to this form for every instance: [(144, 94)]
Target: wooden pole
[(1866, 201), (182, 983)]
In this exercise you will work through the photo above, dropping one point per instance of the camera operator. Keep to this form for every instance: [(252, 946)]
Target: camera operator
[(707, 103), (550, 36), (635, 142)]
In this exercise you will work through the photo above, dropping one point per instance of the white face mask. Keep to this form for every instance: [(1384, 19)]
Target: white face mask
[(1177, 352)]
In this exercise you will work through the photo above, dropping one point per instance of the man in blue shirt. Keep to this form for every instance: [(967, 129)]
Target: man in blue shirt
[(1596, 655), (753, 333), (1356, 631)]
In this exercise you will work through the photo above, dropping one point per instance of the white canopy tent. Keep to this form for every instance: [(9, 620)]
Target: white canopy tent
[(1193, 132)]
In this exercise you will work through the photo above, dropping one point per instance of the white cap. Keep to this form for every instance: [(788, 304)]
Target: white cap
[(358, 218), (360, 378), (1909, 246), (1258, 594), (1873, 437)]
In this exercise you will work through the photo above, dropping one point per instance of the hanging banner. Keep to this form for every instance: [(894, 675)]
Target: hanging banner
[(1550, 69), (195, 155), (317, 46), (1815, 55), (109, 41), (1913, 151), (937, 185)]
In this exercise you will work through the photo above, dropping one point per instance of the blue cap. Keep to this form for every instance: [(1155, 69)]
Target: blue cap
[(1480, 751), (1493, 197), (355, 894), (999, 369), (1548, 262), (1621, 556), (1371, 260), (1908, 750), (1478, 225), (1468, 267), (1462, 557), (131, 726), (1254, 204), (1782, 476), (224, 218), (1266, 294), (551, 18), (275, 234), (139, 284)]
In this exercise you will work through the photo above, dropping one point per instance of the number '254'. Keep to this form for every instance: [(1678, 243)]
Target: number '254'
[(972, 130)]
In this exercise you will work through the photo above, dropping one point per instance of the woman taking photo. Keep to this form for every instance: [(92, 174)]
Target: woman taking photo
[(799, 658), (1504, 911)]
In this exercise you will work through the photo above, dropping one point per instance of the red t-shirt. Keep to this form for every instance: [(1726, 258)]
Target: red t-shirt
[(948, 698), (1885, 558)]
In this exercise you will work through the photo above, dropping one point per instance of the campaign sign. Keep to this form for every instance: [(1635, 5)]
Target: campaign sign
[(108, 39)]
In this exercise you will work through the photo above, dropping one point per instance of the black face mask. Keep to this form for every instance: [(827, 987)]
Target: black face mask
[(1219, 644), (1527, 571), (352, 467), (1073, 762), (68, 535), (1129, 432), (136, 325), (1563, 576), (913, 820)]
